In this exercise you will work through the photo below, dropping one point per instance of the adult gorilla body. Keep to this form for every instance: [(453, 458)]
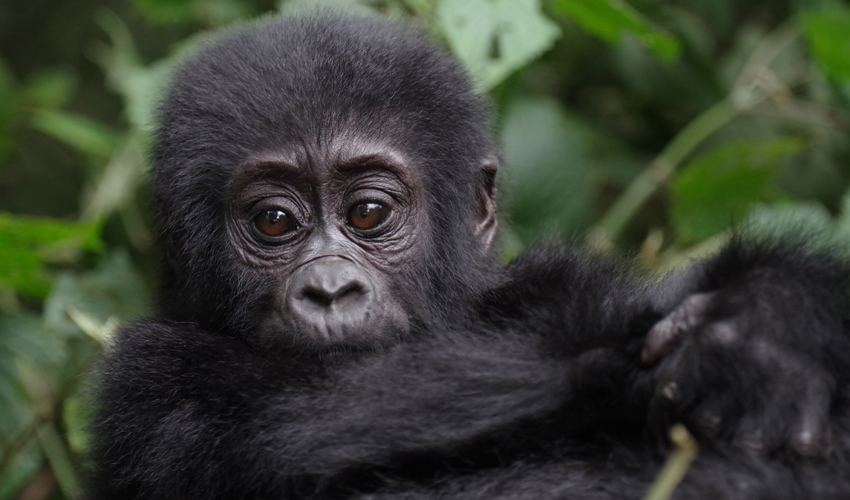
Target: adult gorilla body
[(334, 324)]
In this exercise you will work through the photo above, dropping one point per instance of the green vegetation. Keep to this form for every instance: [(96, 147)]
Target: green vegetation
[(644, 128)]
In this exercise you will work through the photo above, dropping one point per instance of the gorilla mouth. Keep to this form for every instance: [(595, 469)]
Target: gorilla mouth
[(334, 303), (335, 333)]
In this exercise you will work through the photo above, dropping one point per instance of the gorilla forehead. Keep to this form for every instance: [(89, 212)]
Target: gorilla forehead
[(303, 80)]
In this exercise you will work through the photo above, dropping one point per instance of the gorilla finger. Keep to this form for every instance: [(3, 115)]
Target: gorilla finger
[(664, 411), (753, 442), (660, 340), (716, 415), (811, 435), (763, 431), (670, 392), (668, 332), (812, 440), (708, 424)]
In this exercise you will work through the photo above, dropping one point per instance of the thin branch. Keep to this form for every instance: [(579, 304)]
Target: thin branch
[(676, 466), (59, 458), (755, 84), (659, 172)]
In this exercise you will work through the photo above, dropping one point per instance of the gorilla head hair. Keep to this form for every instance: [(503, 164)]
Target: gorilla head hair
[(314, 80)]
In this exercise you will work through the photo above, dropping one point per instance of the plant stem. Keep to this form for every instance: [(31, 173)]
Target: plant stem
[(677, 464), (59, 458), (659, 172), (745, 94)]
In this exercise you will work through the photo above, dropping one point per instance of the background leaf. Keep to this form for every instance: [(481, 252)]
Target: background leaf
[(495, 37), (828, 32), (28, 245), (81, 133), (610, 19), (547, 169), (717, 190)]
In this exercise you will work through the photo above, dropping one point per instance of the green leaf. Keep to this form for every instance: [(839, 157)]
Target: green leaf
[(19, 334), (28, 244), (166, 11), (8, 146), (807, 222), (718, 189), (143, 90), (23, 338), (297, 7), (828, 32), (50, 88), (770, 222), (842, 222), (60, 460), (81, 133), (494, 38), (140, 86), (609, 19), (115, 291), (21, 470), (9, 101), (10, 106), (76, 414), (547, 168), (115, 187)]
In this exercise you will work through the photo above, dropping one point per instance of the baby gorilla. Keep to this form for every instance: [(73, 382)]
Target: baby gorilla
[(333, 322)]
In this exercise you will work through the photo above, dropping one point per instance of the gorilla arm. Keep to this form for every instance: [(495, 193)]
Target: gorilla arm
[(189, 413)]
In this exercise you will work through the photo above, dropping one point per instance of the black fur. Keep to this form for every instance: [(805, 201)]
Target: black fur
[(523, 382)]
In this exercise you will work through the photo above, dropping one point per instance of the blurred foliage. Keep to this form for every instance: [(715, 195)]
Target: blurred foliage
[(642, 128)]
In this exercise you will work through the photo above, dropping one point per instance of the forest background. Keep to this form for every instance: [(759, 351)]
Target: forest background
[(650, 129)]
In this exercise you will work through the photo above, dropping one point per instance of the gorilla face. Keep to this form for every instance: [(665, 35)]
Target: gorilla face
[(325, 204), (333, 229)]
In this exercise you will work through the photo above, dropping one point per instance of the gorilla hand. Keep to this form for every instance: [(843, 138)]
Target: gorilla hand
[(741, 363)]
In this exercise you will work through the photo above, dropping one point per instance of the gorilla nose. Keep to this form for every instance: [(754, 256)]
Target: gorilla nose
[(331, 296), (329, 283), (323, 295)]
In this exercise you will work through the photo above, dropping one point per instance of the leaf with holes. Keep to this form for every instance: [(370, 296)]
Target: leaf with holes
[(494, 38)]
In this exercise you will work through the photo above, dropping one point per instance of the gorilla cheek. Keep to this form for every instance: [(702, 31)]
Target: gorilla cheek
[(332, 301)]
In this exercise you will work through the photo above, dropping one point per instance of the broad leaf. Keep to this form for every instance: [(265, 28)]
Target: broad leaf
[(548, 168), (494, 38), (113, 292), (828, 32), (166, 11), (140, 86), (50, 88), (610, 19), (81, 133), (28, 244), (717, 190)]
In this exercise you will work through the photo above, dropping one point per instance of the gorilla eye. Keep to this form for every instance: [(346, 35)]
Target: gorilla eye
[(275, 222), (368, 215)]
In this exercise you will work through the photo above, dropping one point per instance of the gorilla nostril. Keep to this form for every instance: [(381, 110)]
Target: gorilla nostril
[(350, 290), (326, 298), (317, 296)]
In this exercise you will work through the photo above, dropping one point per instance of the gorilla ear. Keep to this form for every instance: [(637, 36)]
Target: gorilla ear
[(486, 221)]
